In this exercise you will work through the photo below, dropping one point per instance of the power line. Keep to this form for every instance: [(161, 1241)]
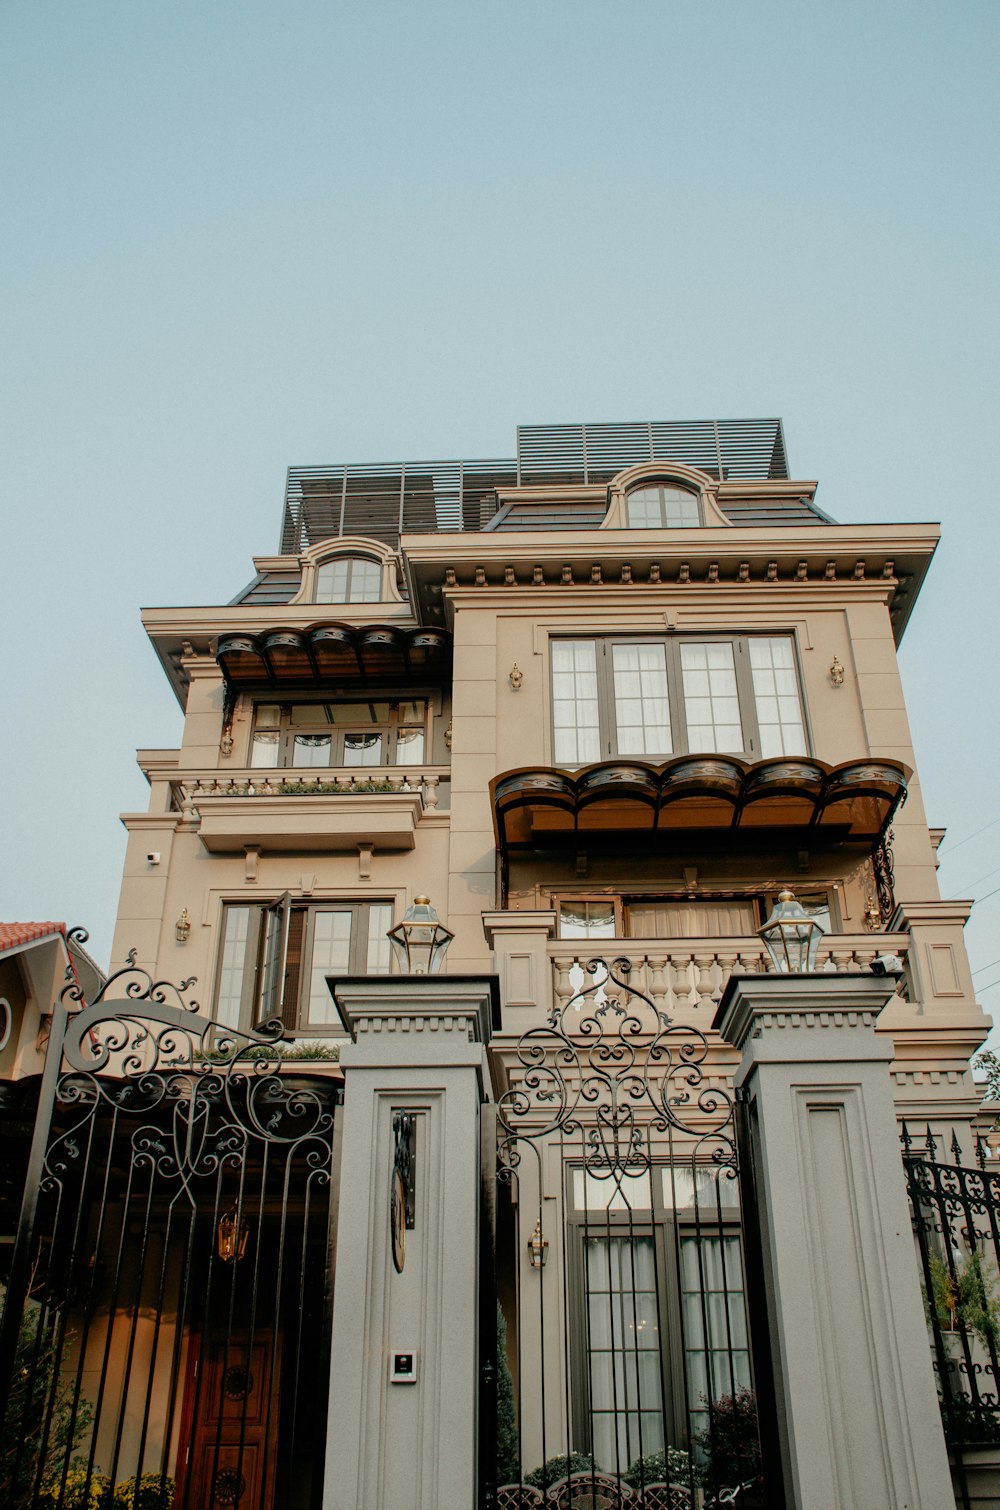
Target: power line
[(981, 989), (950, 848), (993, 893), (983, 968), (978, 881)]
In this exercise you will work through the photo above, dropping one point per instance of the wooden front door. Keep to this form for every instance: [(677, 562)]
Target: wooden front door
[(231, 1424)]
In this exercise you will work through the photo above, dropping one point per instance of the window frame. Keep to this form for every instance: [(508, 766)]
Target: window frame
[(351, 558), (672, 645), (661, 487), (819, 898), (390, 729), (265, 959), (668, 1225)]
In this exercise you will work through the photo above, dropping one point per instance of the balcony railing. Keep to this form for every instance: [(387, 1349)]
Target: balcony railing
[(199, 786), (326, 810), (682, 976)]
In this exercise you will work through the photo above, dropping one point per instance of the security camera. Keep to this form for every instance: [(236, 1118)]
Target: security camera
[(886, 964), (153, 858)]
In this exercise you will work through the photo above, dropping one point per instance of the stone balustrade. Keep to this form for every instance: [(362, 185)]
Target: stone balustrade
[(685, 976), (431, 782)]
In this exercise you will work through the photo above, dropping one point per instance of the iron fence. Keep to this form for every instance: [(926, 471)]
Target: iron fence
[(956, 1222), (165, 1327)]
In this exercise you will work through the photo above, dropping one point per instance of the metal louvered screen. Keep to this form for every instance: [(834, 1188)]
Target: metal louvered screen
[(592, 453), (384, 501)]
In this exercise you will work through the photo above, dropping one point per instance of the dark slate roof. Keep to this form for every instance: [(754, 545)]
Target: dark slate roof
[(271, 587)]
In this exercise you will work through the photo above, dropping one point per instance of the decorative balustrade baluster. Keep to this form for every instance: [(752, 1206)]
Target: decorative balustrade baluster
[(656, 986), (727, 964), (562, 985), (704, 988)]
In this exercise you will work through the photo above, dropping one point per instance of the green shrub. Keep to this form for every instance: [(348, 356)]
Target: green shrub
[(559, 1468), (508, 1455), (670, 1467), (78, 1494), (731, 1445), (149, 1492), (42, 1399)]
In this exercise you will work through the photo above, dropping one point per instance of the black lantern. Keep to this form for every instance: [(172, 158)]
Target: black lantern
[(420, 941), (791, 935)]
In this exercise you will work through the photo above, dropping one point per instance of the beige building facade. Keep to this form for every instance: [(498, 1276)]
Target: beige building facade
[(659, 1183), (352, 720)]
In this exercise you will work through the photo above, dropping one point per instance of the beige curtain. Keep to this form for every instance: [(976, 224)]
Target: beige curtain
[(684, 920)]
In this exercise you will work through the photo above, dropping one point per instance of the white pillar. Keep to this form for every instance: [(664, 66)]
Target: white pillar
[(857, 1408), (418, 1046)]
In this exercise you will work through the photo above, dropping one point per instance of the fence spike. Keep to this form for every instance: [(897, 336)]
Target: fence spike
[(956, 1147)]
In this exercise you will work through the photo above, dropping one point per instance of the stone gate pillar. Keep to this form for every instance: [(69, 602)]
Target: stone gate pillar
[(408, 1439), (857, 1411)]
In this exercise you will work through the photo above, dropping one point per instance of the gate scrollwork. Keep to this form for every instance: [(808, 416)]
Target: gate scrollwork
[(609, 1066)]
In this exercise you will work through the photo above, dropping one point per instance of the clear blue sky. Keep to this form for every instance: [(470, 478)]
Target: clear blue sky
[(236, 236)]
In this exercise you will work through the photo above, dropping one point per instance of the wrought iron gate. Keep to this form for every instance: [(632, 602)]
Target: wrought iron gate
[(165, 1339), (623, 1370), (956, 1222)]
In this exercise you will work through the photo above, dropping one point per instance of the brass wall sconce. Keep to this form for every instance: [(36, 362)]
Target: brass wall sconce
[(873, 917), (516, 677), (537, 1247), (182, 928), (232, 1237), (836, 673)]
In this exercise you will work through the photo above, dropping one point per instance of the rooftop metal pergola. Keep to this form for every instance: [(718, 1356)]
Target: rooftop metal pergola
[(383, 500)]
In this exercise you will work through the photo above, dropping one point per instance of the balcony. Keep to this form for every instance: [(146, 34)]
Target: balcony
[(316, 812)]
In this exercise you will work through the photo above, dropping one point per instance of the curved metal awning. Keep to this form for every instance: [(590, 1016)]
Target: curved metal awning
[(338, 654), (805, 802)]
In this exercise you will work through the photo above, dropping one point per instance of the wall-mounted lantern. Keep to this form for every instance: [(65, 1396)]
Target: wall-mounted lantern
[(515, 677), (537, 1247), (420, 941), (836, 672), (232, 1237), (791, 936), (182, 928)]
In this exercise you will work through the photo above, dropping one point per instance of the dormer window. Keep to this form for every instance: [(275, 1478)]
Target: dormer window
[(349, 579), (661, 506)]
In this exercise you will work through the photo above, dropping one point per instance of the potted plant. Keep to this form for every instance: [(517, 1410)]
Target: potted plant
[(964, 1298)]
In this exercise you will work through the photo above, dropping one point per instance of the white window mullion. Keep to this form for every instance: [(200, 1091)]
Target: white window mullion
[(711, 699), (776, 696), (576, 736), (642, 702)]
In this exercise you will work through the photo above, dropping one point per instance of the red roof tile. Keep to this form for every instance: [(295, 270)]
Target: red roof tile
[(12, 935)]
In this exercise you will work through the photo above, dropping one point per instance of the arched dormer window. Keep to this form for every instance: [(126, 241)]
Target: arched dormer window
[(663, 496), (348, 579), (662, 506)]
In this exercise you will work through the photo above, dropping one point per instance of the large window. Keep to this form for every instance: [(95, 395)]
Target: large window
[(733, 695), (657, 917), (339, 734), (349, 579), (275, 959), (661, 507), (660, 1316)]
